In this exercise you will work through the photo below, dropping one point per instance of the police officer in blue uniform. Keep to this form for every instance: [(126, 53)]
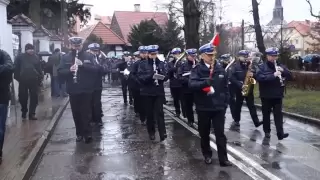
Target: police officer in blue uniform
[(138, 98), (175, 84), (151, 75), (79, 69), (271, 76), (133, 83), (211, 99), (238, 75), (183, 75), (97, 112), (124, 79), (224, 60)]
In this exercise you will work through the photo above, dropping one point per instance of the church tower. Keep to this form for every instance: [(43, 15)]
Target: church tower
[(277, 17)]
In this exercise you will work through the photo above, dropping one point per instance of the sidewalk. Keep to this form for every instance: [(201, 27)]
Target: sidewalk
[(22, 137)]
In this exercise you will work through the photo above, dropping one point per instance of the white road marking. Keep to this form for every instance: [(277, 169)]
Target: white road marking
[(243, 167)]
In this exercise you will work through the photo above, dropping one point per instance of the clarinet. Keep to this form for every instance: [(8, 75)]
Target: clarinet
[(155, 71), (75, 74), (280, 77)]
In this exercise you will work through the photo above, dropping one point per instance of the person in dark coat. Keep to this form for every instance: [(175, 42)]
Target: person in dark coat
[(79, 69), (122, 68), (183, 75), (97, 112), (6, 71), (271, 76), (175, 84), (237, 78), (28, 72), (152, 74), (211, 99)]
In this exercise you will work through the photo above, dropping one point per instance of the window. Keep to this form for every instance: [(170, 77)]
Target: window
[(297, 41)]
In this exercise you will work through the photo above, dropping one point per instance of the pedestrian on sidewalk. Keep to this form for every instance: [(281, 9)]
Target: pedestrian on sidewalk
[(52, 66), (6, 70), (28, 72), (79, 69)]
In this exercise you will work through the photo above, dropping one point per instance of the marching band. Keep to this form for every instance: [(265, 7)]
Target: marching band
[(207, 83)]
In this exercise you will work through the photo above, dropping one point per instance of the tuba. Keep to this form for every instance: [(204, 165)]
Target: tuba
[(75, 73), (248, 81)]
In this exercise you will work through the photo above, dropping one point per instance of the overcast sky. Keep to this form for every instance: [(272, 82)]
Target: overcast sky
[(234, 10)]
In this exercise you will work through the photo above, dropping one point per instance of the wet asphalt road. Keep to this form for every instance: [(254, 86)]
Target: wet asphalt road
[(121, 150)]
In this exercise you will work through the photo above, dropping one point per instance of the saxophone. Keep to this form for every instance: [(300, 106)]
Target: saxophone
[(248, 81), (75, 73), (155, 71)]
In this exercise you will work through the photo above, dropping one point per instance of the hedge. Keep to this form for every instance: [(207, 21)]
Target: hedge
[(305, 80)]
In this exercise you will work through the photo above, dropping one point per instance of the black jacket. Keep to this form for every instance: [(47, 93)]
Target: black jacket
[(185, 67), (121, 66), (198, 80), (86, 76), (134, 82), (145, 77), (6, 70), (237, 76), (27, 68), (269, 85), (102, 64), (172, 71)]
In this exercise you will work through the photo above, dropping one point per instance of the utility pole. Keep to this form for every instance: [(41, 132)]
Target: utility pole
[(242, 34)]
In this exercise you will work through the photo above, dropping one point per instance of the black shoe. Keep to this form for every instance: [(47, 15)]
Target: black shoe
[(283, 136), (32, 118), (125, 102), (236, 123), (162, 138), (88, 139), (225, 163), (130, 102), (24, 116), (190, 124), (207, 160), (100, 124), (258, 124), (178, 115), (267, 135), (152, 137), (79, 139), (137, 114)]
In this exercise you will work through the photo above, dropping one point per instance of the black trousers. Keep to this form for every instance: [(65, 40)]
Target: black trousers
[(205, 118), (154, 112), (96, 106), (250, 104), (81, 112), (124, 87), (232, 101), (137, 102), (26, 90), (177, 100), (274, 105), (188, 100)]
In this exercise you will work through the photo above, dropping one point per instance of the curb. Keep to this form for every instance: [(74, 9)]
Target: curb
[(295, 116), (26, 169)]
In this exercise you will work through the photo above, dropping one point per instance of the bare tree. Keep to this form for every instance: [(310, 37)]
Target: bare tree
[(314, 32), (257, 26), (191, 14)]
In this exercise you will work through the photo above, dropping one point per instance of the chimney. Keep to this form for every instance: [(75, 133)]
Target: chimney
[(308, 22), (137, 7)]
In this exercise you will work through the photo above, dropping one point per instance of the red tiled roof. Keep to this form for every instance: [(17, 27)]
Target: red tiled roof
[(301, 26), (127, 19), (106, 20), (104, 32)]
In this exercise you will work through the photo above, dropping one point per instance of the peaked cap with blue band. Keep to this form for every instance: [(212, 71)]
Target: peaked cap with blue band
[(153, 48), (94, 47), (243, 53), (191, 52), (176, 51), (137, 53), (207, 49), (273, 51), (225, 56), (143, 49), (76, 40)]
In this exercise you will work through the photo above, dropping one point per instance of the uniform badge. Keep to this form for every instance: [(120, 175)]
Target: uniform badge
[(221, 76), (86, 61)]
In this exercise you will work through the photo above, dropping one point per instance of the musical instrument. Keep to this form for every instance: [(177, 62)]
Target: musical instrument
[(280, 77), (248, 81), (155, 71), (75, 73), (126, 73), (230, 63)]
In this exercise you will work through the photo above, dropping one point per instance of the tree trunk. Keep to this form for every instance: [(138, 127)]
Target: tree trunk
[(257, 26), (35, 11), (192, 21)]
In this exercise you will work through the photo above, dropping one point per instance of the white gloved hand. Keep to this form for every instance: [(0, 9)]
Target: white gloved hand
[(277, 74), (78, 62)]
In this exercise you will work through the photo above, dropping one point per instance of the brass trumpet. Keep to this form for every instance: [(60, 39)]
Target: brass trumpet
[(248, 81)]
